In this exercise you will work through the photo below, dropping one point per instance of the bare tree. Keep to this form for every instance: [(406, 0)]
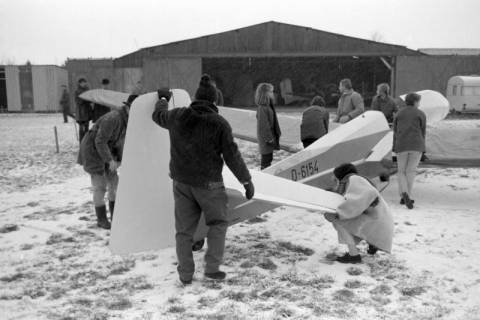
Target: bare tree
[(377, 36)]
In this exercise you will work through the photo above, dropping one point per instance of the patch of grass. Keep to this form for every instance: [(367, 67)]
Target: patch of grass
[(59, 238), (234, 295), (247, 264), (353, 284), (176, 309), (26, 246), (207, 302), (354, 271), (322, 282), (8, 228), (412, 291), (119, 303), (130, 284), (34, 292), (15, 277), (57, 293), (382, 289), (296, 248), (211, 284), (122, 266), (267, 264), (257, 219), (381, 299), (284, 312), (344, 295), (85, 302)]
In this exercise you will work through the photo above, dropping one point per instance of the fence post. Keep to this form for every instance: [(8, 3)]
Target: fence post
[(56, 138)]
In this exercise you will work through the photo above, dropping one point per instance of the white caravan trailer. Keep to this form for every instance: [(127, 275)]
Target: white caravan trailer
[(463, 93)]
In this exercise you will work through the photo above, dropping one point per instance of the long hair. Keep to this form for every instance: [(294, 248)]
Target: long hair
[(262, 98)]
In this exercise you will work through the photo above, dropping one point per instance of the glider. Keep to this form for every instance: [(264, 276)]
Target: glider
[(144, 217)]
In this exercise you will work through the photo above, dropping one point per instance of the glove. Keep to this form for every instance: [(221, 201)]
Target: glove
[(249, 190), (164, 93), (344, 119)]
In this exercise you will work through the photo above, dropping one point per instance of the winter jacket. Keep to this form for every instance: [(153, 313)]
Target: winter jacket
[(98, 111), (409, 129), (65, 101), (268, 129), (387, 105), (104, 142), (350, 104), (200, 141), (84, 109), (315, 122), (365, 214)]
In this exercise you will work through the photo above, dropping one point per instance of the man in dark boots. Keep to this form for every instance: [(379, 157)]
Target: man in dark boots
[(100, 155), (200, 142)]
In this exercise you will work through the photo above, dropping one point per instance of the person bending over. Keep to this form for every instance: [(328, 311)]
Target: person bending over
[(363, 215), (101, 154)]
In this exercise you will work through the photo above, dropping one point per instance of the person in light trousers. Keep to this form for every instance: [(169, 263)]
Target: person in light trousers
[(409, 129)]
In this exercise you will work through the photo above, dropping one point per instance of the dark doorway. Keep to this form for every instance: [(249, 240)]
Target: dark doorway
[(238, 77), (3, 90), (26, 87)]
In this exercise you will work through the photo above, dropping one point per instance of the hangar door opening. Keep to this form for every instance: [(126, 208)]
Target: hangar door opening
[(3, 90), (296, 79)]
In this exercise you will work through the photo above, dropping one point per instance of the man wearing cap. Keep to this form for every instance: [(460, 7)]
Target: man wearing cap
[(83, 113), (200, 142), (98, 109), (101, 154)]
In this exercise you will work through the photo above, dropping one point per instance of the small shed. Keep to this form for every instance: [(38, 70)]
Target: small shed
[(31, 88)]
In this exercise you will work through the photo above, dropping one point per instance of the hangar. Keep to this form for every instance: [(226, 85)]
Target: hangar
[(299, 61)]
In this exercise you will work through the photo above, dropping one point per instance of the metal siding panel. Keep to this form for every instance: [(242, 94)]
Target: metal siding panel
[(182, 73), (13, 89), (40, 88)]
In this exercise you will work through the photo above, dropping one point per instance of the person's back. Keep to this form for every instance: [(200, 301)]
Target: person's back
[(409, 130), (315, 122), (200, 140)]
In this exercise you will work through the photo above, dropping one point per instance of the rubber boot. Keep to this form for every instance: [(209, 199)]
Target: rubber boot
[(111, 207), (102, 220)]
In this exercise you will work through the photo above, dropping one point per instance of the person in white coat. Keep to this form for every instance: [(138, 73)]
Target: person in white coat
[(364, 215)]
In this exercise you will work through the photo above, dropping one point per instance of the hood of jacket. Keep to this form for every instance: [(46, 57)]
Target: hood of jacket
[(200, 111)]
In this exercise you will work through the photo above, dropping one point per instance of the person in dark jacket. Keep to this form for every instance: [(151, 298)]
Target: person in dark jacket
[(315, 121), (409, 129), (83, 113), (98, 109), (268, 128), (101, 154), (65, 104), (350, 104), (384, 103), (200, 142)]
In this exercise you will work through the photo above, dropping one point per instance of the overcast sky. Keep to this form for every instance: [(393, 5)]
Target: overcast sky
[(49, 31)]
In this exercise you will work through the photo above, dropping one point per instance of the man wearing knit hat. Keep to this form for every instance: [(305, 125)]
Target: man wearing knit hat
[(100, 155), (200, 142)]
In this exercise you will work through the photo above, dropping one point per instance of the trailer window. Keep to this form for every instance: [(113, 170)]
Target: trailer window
[(467, 91), (454, 90), (476, 91)]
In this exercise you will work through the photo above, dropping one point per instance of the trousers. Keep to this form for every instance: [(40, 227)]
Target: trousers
[(407, 163), (190, 202), (101, 183)]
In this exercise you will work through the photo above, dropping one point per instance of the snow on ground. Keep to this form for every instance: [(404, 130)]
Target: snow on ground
[(55, 264)]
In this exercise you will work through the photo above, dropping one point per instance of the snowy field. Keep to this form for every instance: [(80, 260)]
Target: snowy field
[(55, 264)]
